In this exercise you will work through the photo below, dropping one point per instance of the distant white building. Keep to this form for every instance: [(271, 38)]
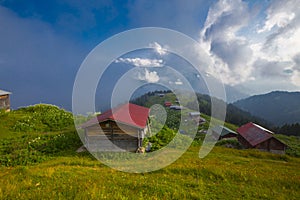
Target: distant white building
[(194, 114)]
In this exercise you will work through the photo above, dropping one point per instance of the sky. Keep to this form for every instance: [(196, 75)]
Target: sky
[(253, 45)]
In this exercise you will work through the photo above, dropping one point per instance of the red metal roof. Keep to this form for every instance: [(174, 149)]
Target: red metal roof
[(254, 133), (168, 104), (130, 114)]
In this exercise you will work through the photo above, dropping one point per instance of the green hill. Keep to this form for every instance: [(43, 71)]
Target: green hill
[(36, 133), (37, 118), (234, 115), (39, 162)]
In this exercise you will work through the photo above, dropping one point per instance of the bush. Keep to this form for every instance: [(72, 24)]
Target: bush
[(30, 149), (41, 118), (165, 137), (173, 119)]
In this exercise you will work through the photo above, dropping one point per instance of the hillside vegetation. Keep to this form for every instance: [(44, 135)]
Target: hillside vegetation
[(40, 161), (234, 114), (35, 134), (289, 129), (37, 118), (234, 118)]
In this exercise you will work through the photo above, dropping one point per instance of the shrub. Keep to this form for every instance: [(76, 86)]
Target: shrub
[(42, 118), (165, 137), (30, 149)]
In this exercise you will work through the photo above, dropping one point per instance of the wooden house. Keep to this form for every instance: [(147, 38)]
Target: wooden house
[(4, 100), (120, 129), (222, 132), (252, 135)]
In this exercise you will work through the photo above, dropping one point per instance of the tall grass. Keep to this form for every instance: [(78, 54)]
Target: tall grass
[(35, 148), (224, 174)]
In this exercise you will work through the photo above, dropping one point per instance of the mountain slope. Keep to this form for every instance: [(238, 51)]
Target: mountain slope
[(234, 114), (277, 107)]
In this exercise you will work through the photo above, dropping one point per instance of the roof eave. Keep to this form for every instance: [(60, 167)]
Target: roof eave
[(135, 126)]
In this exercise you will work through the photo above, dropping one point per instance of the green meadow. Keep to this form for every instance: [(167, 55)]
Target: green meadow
[(39, 161), (223, 174)]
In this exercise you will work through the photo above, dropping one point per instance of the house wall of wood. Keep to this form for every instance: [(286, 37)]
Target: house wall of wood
[(229, 135), (272, 145), (4, 102), (113, 137)]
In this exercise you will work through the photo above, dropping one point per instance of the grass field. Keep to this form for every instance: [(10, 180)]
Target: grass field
[(38, 161), (223, 174)]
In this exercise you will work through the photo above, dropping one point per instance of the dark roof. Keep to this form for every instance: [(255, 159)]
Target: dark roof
[(130, 114), (2, 92), (223, 130), (175, 107), (254, 133)]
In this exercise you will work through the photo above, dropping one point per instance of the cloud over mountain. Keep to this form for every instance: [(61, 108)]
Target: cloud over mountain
[(247, 44)]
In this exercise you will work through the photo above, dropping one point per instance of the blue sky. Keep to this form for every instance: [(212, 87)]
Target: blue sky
[(253, 44)]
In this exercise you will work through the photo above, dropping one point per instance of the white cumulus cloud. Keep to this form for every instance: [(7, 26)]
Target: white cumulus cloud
[(230, 52), (148, 76), (158, 48), (141, 62), (279, 14)]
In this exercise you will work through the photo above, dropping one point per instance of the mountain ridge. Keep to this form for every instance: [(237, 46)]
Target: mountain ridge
[(278, 107)]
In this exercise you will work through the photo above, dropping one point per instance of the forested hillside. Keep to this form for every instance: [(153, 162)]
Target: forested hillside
[(277, 107), (234, 114)]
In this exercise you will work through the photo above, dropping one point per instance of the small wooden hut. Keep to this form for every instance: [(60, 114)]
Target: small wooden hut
[(252, 135), (4, 100), (120, 129)]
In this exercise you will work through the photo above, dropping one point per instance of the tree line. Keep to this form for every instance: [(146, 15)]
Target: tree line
[(234, 114), (289, 129)]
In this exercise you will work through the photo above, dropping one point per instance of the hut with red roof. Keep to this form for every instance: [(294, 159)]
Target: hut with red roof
[(255, 136), (120, 129)]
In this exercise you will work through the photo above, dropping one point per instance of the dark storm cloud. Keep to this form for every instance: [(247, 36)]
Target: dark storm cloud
[(36, 64)]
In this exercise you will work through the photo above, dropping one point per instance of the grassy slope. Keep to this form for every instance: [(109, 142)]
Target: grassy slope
[(223, 174), (293, 143), (171, 97), (7, 121)]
